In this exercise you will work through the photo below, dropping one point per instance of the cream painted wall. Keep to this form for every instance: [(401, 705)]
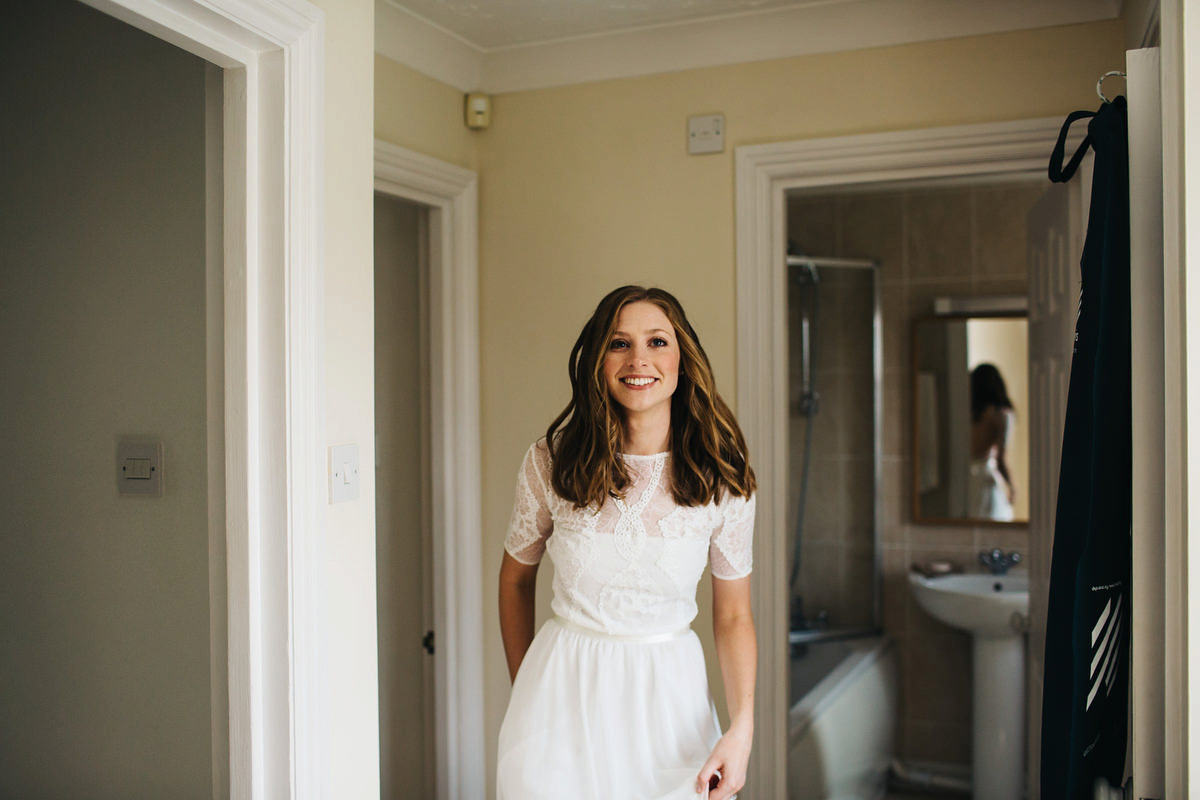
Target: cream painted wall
[(587, 187), (104, 600), (422, 114), (350, 668)]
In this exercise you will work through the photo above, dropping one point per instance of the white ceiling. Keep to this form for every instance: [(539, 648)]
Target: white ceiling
[(497, 24)]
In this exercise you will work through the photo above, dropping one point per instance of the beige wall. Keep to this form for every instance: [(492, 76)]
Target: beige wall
[(585, 187), (422, 114), (104, 600), (351, 694)]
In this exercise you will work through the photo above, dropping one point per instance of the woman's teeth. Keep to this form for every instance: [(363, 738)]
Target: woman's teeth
[(639, 381)]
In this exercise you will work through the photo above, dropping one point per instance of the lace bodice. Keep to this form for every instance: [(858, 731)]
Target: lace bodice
[(631, 566)]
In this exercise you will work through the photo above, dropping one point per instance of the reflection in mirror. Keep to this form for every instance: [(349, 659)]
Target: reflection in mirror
[(970, 389)]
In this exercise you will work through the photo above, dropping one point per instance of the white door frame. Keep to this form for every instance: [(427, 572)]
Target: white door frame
[(272, 54), (451, 193), (764, 174), (1180, 84)]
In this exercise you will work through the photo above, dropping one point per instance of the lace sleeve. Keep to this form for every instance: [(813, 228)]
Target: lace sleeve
[(730, 549), (531, 522)]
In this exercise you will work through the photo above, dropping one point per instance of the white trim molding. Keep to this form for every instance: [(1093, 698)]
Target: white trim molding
[(798, 29), (409, 39), (1181, 376), (452, 194), (764, 175), (272, 53)]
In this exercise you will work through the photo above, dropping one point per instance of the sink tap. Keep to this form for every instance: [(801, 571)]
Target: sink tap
[(997, 562)]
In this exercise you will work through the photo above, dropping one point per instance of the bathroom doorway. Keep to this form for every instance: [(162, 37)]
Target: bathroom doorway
[(766, 176), (868, 266)]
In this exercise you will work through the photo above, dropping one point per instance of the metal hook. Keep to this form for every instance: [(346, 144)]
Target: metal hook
[(1116, 73)]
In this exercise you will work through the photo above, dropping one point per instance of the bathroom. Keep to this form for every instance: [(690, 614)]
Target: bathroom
[(891, 249)]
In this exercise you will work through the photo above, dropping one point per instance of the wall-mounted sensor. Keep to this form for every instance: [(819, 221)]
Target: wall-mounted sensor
[(139, 466), (478, 110)]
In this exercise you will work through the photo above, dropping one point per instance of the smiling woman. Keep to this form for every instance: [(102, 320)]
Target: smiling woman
[(641, 481), (641, 370)]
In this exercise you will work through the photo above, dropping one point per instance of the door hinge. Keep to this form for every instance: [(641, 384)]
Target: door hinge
[(427, 642)]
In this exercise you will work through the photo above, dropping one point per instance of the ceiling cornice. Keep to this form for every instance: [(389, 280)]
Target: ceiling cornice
[(415, 42), (778, 33)]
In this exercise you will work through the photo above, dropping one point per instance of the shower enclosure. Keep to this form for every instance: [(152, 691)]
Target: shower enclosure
[(844, 674), (835, 379)]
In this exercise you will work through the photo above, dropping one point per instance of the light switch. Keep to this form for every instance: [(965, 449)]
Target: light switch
[(139, 466), (343, 473), (137, 469), (706, 134)]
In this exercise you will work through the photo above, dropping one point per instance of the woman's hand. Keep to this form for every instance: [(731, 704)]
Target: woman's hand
[(729, 757)]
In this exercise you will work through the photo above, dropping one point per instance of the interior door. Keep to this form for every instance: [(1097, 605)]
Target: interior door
[(1057, 225), (1149, 445)]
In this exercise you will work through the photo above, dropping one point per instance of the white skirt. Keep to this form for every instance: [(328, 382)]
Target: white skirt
[(595, 717)]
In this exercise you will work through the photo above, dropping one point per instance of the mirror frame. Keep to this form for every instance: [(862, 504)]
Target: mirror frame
[(914, 514)]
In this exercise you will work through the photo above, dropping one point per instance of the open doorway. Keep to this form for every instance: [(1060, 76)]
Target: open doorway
[(403, 546), (433, 206), (114, 655), (766, 176), (264, 587)]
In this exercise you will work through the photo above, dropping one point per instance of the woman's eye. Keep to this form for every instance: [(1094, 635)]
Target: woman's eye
[(658, 341), (618, 344)]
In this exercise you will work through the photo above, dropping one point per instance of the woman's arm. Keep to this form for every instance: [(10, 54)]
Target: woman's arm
[(1004, 424), (517, 585), (737, 652)]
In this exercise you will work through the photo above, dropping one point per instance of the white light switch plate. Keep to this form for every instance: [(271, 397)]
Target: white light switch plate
[(139, 466), (706, 134), (343, 473)]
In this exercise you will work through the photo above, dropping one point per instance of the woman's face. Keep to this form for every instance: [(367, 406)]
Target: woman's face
[(641, 366)]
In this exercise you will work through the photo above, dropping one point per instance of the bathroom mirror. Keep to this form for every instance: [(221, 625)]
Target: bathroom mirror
[(970, 400)]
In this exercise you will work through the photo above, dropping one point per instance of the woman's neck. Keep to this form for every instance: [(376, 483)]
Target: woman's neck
[(645, 435)]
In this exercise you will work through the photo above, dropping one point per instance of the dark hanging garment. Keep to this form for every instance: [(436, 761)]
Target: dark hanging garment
[(1085, 699)]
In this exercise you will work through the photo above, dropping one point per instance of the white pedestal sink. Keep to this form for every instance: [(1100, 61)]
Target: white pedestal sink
[(993, 608)]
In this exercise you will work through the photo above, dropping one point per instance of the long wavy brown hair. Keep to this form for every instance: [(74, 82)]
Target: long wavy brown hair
[(707, 447)]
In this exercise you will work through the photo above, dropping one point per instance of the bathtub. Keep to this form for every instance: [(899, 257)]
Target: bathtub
[(842, 722)]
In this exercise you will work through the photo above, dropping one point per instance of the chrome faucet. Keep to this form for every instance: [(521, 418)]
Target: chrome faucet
[(997, 562)]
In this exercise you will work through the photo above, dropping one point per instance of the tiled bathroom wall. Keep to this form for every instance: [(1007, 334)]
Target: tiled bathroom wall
[(930, 242)]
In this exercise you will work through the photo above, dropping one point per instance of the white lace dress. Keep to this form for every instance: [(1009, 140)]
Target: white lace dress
[(611, 700)]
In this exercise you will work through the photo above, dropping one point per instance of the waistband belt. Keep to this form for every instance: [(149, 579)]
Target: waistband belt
[(617, 637)]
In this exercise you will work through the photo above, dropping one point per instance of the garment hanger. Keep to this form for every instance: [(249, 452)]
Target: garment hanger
[(1116, 73)]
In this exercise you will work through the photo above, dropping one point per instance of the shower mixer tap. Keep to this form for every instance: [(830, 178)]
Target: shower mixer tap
[(997, 562)]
